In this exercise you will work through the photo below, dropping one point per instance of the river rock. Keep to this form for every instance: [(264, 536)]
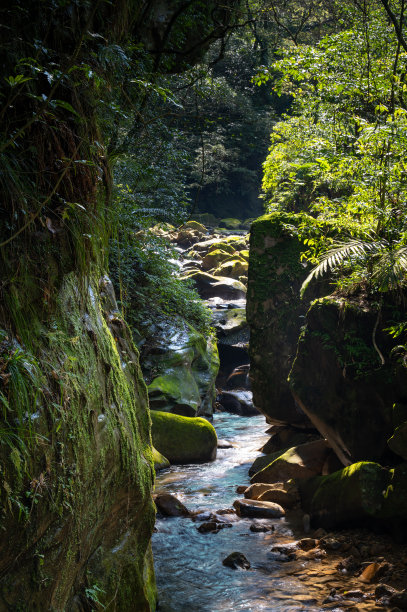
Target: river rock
[(339, 381), (275, 313), (264, 460), (237, 402), (353, 493), (280, 496), (287, 437), (302, 461), (181, 368), (214, 257), (258, 509), (183, 439), (169, 505), (210, 286), (236, 560), (229, 321), (212, 527)]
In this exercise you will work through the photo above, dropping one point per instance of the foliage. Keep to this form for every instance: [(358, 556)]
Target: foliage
[(341, 154)]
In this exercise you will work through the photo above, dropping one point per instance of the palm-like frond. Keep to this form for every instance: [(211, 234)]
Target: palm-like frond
[(338, 254), (391, 269)]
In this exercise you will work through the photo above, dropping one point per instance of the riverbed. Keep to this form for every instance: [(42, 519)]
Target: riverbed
[(189, 571)]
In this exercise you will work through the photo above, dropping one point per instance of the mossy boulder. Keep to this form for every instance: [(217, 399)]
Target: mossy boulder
[(229, 321), (210, 286), (224, 247), (230, 223), (340, 382), (182, 367), (182, 439), (275, 312), (214, 258), (90, 516), (233, 268), (352, 494)]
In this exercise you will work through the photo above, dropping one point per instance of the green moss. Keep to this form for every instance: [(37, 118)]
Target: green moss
[(182, 439), (160, 462), (351, 494)]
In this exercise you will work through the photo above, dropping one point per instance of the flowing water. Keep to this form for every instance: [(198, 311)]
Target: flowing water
[(189, 571)]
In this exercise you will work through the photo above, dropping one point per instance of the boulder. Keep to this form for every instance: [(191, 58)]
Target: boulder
[(237, 402), (214, 258), (236, 560), (210, 286), (340, 383), (275, 313), (264, 460), (169, 505), (183, 439), (230, 223), (233, 268), (287, 437), (356, 492), (183, 366), (284, 494), (303, 461), (228, 321), (253, 508)]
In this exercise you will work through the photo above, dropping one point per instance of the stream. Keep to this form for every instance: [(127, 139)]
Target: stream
[(188, 564)]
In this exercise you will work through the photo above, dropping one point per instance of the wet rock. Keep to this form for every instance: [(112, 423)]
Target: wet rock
[(169, 505), (307, 543), (264, 460), (239, 378), (258, 527), (373, 572), (181, 368), (209, 286), (212, 527), (225, 444), (258, 509), (280, 496), (255, 490), (300, 462), (182, 439), (237, 402), (399, 599), (330, 544), (384, 590), (241, 489), (228, 321), (284, 437), (355, 594), (236, 560)]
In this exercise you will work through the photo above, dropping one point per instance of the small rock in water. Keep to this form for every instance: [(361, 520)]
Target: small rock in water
[(254, 508), (241, 489), (307, 543), (236, 560), (169, 505), (258, 527), (330, 544), (373, 572), (225, 444), (212, 526)]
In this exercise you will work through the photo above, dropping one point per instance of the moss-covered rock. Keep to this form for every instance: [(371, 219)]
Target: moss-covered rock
[(182, 439), (230, 223), (182, 367), (83, 491), (228, 321), (275, 312), (398, 441), (356, 492), (234, 268), (214, 258), (340, 382)]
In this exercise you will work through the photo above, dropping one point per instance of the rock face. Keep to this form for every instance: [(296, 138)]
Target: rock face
[(87, 514), (183, 439), (275, 314), (340, 383), (187, 365)]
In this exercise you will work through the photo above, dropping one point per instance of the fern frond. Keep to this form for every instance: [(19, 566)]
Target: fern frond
[(338, 254)]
